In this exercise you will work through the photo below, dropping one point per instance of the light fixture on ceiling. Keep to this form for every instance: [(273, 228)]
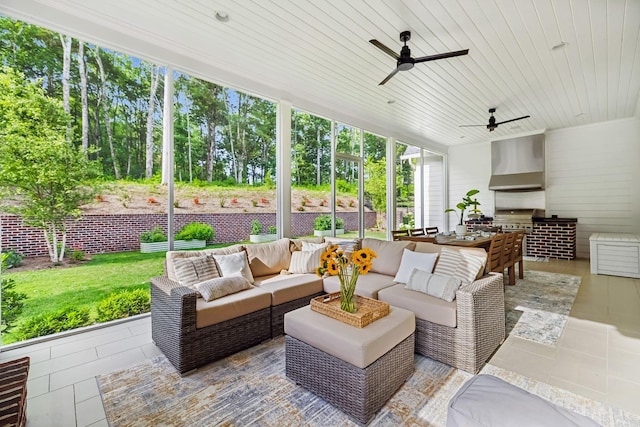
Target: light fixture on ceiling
[(579, 114), (559, 45), (391, 101), (222, 16)]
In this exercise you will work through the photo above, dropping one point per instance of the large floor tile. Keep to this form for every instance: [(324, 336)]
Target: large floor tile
[(62, 363), (585, 341), (624, 394), (89, 411), (54, 409), (581, 369)]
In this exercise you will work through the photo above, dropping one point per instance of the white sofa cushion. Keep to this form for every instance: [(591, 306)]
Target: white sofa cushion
[(389, 254), (368, 285), (426, 307), (234, 265)]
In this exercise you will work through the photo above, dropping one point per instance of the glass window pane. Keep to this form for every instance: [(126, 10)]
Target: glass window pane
[(347, 139), (375, 186)]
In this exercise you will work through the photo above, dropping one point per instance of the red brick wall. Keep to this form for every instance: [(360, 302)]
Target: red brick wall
[(553, 240), (120, 233)]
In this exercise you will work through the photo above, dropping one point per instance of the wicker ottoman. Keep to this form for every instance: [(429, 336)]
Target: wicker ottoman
[(356, 370)]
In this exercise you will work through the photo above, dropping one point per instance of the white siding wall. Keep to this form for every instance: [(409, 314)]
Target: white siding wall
[(593, 174), (469, 166), (433, 197)]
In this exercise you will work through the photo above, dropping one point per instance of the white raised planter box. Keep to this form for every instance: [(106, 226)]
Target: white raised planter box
[(261, 238), (146, 248), (615, 254), (320, 233)]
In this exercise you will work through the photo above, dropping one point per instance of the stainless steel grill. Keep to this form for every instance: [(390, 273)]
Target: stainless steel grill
[(516, 219)]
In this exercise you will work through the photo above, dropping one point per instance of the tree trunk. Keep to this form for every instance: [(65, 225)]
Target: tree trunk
[(189, 149), (105, 110), (66, 66), (318, 157), (83, 97), (155, 77)]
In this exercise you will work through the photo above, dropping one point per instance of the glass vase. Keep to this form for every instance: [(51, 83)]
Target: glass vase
[(347, 292)]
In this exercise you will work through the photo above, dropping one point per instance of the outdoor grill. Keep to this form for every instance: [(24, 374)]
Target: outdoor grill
[(516, 219)]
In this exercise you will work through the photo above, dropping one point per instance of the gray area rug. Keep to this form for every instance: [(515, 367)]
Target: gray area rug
[(538, 306), (251, 388)]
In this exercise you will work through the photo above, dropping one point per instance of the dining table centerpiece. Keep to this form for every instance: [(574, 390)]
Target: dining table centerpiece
[(335, 262)]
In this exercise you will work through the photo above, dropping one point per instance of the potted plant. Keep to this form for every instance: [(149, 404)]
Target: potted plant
[(257, 236), (467, 201), (322, 225), (192, 236)]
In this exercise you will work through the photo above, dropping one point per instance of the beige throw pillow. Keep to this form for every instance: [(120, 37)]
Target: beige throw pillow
[(389, 254), (234, 265), (443, 287), (459, 264), (308, 246), (217, 288), (305, 261), (189, 271)]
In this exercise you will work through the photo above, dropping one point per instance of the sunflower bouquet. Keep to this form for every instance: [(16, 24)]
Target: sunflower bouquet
[(335, 262)]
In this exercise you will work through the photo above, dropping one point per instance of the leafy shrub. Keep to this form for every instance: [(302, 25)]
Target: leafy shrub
[(272, 229), (123, 304), (155, 235), (12, 304), (195, 231), (11, 259), (77, 255), (323, 222), (58, 321), (256, 227)]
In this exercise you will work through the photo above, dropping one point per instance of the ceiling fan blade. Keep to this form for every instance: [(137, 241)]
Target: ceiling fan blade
[(393, 73), (512, 120), (470, 126), (385, 49), (441, 56)]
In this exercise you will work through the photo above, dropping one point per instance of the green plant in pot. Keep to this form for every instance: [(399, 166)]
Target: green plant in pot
[(256, 227), (466, 202), (195, 231), (323, 223)]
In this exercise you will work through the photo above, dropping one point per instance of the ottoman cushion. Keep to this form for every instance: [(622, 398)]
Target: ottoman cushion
[(357, 346), (486, 400)]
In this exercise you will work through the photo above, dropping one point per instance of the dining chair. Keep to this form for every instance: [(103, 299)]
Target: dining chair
[(416, 232), (431, 231), (516, 258), (507, 261), (397, 233), (495, 255)]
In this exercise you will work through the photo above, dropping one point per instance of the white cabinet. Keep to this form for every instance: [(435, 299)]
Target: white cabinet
[(615, 254)]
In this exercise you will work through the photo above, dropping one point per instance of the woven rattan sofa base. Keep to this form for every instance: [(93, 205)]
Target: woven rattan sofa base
[(359, 393), (173, 328), (480, 329), (278, 312)]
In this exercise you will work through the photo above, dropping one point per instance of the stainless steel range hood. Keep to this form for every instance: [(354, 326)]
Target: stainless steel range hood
[(517, 164)]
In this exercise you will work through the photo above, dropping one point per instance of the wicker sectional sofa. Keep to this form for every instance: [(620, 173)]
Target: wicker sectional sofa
[(192, 332)]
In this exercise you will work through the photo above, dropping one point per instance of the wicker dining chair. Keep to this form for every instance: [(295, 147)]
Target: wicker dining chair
[(431, 231), (416, 232), (398, 233)]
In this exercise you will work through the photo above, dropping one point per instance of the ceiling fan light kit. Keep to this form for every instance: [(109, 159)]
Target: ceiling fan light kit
[(404, 61)]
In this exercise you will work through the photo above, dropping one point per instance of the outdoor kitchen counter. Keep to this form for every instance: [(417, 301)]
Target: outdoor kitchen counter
[(553, 220)]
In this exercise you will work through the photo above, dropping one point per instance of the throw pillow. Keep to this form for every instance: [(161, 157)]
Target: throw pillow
[(411, 260), (305, 261), (234, 265), (190, 271), (458, 264), (308, 246), (443, 287), (268, 258), (389, 254), (219, 287)]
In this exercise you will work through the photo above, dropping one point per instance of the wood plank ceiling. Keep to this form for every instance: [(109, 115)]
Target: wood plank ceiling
[(316, 54)]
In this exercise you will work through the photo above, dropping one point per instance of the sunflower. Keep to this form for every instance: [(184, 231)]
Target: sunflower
[(319, 271), (363, 257), (326, 256), (365, 268), (332, 267)]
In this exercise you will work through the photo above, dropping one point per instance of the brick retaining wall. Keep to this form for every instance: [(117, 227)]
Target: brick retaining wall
[(120, 233)]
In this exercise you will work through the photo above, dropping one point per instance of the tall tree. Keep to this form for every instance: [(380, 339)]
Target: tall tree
[(44, 174), (83, 97), (155, 77), (66, 72), (104, 100)]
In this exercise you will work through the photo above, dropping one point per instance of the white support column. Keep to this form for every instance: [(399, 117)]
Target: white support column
[(167, 152), (361, 187), (391, 186), (283, 169)]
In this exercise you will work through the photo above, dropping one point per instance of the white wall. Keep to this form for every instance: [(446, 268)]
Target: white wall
[(432, 178), (592, 174), (469, 166)]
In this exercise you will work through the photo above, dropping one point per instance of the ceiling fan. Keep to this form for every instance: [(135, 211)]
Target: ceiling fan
[(404, 60), (492, 121)]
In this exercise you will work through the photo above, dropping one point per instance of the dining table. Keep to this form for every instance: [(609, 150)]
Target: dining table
[(477, 242)]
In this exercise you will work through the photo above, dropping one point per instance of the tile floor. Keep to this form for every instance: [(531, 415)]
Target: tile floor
[(597, 356)]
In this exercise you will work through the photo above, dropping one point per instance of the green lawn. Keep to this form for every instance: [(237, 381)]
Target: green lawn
[(84, 285)]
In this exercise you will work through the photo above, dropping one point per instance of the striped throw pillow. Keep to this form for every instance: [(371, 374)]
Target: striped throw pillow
[(222, 286), (443, 287), (192, 270), (457, 264), (305, 261)]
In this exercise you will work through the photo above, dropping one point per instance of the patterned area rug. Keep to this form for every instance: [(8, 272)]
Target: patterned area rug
[(538, 306), (250, 388)]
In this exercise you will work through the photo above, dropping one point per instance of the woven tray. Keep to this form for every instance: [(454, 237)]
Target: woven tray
[(367, 309)]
